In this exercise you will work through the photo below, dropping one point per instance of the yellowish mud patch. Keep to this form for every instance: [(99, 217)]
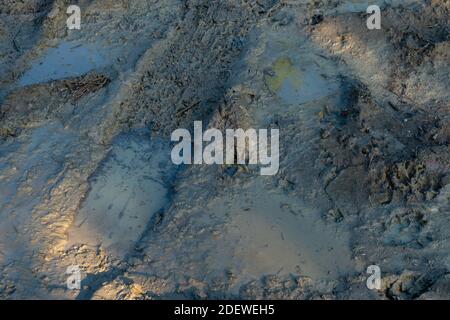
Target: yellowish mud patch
[(284, 72)]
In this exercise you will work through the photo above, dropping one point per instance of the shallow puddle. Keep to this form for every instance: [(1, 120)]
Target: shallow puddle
[(126, 191), (66, 60), (299, 82), (273, 233)]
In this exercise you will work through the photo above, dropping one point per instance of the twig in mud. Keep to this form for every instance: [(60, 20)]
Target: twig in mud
[(82, 222), (80, 88), (15, 45), (290, 182), (184, 110), (322, 56), (401, 97), (393, 107)]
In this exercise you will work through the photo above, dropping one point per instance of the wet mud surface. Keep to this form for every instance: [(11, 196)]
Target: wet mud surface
[(86, 176)]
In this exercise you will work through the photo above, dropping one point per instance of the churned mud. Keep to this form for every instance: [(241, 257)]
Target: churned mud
[(86, 177)]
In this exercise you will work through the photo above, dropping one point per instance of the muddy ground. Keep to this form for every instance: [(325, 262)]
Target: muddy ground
[(85, 171)]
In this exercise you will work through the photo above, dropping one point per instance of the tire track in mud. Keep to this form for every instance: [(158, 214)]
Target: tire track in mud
[(116, 272), (67, 193)]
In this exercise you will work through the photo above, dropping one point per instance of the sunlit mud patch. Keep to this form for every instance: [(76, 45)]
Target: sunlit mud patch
[(127, 190), (273, 233), (30, 167), (68, 59)]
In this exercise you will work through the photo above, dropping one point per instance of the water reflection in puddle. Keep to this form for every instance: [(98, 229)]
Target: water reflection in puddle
[(66, 60), (127, 190)]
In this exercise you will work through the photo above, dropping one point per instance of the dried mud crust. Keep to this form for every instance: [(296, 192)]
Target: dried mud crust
[(369, 161)]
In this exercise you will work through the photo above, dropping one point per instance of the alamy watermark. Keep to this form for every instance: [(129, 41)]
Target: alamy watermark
[(74, 20), (374, 281), (74, 278), (250, 146), (374, 20)]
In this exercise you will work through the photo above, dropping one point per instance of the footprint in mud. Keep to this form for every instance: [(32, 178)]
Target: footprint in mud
[(131, 185)]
